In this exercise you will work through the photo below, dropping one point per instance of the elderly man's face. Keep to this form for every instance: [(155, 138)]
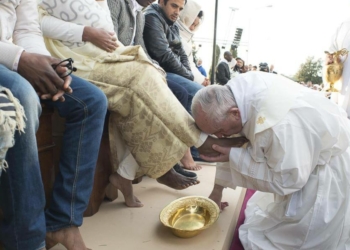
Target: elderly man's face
[(232, 124)]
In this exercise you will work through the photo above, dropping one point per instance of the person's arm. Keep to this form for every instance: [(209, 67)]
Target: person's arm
[(203, 71), (27, 33), (34, 62), (58, 29), (221, 74), (281, 161), (158, 47)]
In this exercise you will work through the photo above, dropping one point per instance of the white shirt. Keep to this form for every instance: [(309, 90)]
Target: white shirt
[(19, 21)]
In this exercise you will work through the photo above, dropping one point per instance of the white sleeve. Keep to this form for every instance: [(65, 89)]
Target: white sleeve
[(27, 33), (58, 29), (280, 161)]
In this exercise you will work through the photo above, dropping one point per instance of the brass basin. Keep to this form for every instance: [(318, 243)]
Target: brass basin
[(190, 215)]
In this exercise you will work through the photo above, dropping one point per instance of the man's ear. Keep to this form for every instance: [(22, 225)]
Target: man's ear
[(235, 112)]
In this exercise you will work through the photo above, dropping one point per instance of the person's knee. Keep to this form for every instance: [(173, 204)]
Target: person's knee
[(99, 102), (26, 95)]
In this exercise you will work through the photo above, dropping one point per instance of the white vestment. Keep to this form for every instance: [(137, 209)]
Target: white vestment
[(298, 157), (340, 40)]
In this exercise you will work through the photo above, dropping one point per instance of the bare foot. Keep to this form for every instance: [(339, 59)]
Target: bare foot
[(194, 167), (188, 162), (176, 181), (69, 237), (216, 196), (125, 186), (206, 148)]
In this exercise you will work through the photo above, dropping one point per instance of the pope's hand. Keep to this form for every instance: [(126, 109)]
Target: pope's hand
[(224, 154)]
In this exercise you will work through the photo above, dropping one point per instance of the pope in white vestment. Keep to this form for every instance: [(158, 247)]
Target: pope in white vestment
[(339, 41), (298, 157)]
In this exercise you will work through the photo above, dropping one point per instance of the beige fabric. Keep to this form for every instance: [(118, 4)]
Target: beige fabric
[(153, 124)]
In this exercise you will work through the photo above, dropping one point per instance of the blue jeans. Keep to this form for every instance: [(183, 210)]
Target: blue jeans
[(180, 93), (22, 197), (190, 86)]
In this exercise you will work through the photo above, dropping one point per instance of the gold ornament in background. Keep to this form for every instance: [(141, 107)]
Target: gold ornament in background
[(335, 70)]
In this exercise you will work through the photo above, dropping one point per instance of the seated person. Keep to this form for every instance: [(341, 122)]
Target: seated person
[(26, 71), (149, 129), (126, 14), (190, 20), (163, 43)]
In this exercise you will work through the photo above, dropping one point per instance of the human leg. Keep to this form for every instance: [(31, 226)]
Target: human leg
[(182, 95), (191, 87), (84, 111), (188, 162), (155, 127), (22, 198), (180, 92), (126, 170)]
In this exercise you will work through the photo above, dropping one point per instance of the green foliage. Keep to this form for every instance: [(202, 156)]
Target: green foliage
[(311, 70)]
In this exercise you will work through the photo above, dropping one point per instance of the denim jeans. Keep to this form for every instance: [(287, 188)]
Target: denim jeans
[(180, 92), (21, 190), (190, 86)]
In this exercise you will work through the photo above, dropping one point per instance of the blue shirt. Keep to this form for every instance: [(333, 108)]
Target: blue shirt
[(202, 70)]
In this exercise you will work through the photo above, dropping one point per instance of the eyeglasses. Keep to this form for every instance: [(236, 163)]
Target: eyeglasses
[(68, 63)]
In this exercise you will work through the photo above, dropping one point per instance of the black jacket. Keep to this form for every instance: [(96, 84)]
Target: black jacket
[(163, 42), (222, 73)]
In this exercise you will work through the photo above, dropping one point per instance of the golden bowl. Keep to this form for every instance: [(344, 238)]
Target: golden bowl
[(190, 215)]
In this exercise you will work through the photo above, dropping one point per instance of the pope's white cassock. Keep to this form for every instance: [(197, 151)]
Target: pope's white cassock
[(340, 40), (298, 157)]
